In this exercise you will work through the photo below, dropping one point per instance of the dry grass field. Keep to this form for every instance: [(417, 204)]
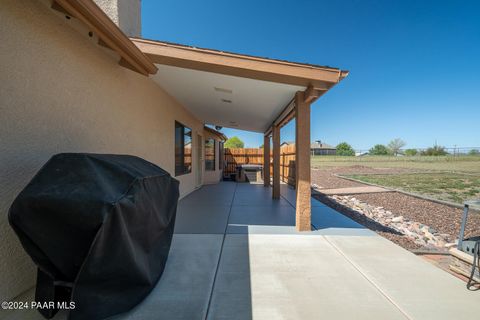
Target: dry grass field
[(448, 178), (463, 164)]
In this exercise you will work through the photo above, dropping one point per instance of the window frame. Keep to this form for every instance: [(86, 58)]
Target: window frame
[(212, 167), (221, 155), (185, 169)]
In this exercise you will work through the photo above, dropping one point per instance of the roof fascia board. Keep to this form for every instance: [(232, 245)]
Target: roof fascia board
[(95, 19), (320, 78)]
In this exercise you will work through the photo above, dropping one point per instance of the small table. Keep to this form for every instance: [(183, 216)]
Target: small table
[(466, 206)]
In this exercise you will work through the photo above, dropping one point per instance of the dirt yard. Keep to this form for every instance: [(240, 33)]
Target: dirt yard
[(446, 186)]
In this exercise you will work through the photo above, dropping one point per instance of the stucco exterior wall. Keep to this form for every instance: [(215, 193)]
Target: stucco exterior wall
[(213, 176), (125, 13), (61, 92)]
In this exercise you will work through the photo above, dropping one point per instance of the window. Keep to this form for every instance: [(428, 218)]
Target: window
[(183, 149), (220, 155), (210, 154)]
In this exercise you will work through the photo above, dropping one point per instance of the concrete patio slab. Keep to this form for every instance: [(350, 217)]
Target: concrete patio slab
[(265, 277), (222, 195), (207, 219), (421, 290), (262, 268), (183, 291), (273, 215), (256, 196)]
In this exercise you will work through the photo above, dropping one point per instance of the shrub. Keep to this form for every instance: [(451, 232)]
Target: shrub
[(411, 152), (434, 151), (344, 149), (234, 142), (378, 150)]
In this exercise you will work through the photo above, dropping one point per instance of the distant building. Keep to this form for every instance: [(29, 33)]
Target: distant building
[(319, 148), (287, 143)]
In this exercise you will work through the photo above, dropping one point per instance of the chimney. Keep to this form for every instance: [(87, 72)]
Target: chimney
[(125, 13)]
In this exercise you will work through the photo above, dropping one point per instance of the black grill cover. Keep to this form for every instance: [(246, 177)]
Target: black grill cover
[(99, 224)]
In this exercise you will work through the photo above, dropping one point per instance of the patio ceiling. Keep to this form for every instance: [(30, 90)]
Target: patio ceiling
[(232, 90), (226, 101)]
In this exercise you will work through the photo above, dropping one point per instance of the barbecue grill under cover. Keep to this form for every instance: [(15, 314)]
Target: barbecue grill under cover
[(103, 224)]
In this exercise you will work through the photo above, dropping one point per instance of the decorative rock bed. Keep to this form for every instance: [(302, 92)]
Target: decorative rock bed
[(421, 234)]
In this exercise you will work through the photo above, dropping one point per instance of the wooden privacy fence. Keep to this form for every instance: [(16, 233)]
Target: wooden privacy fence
[(238, 156)]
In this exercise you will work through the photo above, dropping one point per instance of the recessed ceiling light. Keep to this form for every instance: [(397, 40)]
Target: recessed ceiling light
[(226, 100), (223, 90)]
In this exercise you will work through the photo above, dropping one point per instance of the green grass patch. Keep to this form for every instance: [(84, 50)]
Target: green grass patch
[(453, 187), (467, 164)]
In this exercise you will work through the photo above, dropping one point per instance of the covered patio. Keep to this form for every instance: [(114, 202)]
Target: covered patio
[(236, 254), (248, 93)]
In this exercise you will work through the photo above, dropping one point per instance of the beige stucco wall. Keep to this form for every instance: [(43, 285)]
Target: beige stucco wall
[(61, 92), (211, 177)]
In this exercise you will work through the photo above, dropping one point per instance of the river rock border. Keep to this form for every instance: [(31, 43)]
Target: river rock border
[(420, 233)]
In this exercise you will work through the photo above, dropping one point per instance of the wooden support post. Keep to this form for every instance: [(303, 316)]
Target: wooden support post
[(266, 161), (276, 162), (302, 163)]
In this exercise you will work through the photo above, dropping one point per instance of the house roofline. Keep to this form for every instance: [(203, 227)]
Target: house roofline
[(108, 32), (217, 133), (141, 55), (164, 53)]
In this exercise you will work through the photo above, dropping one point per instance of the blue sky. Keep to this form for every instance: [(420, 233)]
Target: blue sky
[(414, 65)]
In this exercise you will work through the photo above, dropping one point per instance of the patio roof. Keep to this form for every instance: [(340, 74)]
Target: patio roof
[(227, 89), (233, 90), (221, 88)]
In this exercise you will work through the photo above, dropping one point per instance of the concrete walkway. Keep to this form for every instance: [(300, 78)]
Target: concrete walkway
[(236, 255), (353, 190)]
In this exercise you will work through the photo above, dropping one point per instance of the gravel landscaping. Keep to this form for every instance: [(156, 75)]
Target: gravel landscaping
[(384, 231), (410, 222), (443, 218)]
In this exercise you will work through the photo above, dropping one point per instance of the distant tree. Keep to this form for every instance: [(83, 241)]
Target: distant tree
[(474, 152), (234, 142), (395, 145), (378, 150), (411, 152), (261, 147), (434, 151), (344, 149)]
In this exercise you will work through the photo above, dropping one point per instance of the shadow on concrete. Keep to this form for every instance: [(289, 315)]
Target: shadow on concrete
[(357, 217)]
